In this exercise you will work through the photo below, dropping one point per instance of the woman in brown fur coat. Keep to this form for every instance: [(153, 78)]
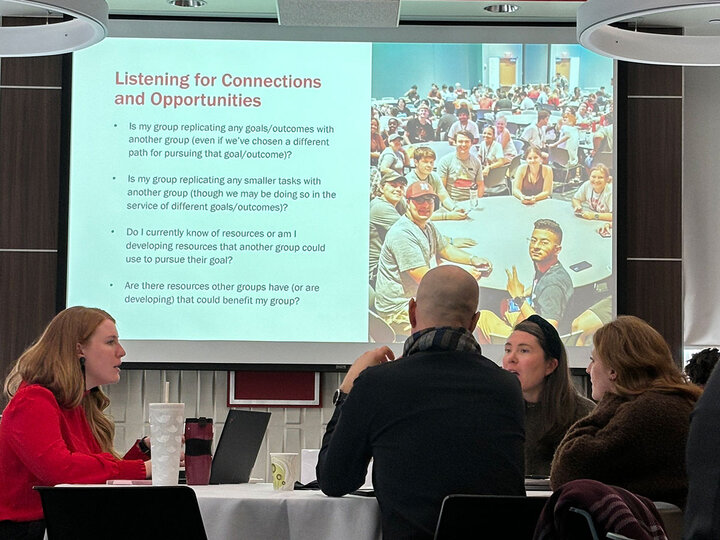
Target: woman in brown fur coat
[(635, 438)]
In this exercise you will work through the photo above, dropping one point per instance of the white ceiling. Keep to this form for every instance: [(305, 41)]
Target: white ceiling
[(695, 21), (468, 10)]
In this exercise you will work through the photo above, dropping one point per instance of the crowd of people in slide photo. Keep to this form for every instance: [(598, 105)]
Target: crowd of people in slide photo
[(434, 155)]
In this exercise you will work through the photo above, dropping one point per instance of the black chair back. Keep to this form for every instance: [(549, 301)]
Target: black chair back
[(121, 512), (488, 517)]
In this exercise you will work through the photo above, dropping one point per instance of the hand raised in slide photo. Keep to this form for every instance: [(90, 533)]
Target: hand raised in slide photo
[(514, 287), (374, 357)]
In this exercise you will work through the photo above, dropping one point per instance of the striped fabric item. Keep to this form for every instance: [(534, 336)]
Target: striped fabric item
[(611, 509)]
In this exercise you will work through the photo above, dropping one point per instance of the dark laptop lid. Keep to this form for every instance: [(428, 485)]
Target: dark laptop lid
[(238, 447)]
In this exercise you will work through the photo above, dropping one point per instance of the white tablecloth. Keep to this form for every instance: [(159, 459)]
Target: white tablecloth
[(256, 512)]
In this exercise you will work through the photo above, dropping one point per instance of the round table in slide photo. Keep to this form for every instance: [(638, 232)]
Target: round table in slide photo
[(502, 226), (529, 117)]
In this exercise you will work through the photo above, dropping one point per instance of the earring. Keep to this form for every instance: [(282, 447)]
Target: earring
[(82, 361)]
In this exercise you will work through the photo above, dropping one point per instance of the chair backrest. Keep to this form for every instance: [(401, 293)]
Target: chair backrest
[(519, 146), (482, 115), (514, 164), (488, 517), (583, 526), (558, 156), (604, 158), (496, 176), (121, 512)]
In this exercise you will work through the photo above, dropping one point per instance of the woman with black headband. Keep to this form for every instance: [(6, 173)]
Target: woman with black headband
[(535, 353), (54, 430)]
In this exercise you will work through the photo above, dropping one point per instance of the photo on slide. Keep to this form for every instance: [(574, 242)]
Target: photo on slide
[(498, 158)]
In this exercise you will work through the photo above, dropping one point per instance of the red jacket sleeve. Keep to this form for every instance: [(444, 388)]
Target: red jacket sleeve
[(60, 448)]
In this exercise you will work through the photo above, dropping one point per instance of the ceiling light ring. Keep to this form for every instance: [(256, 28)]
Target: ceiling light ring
[(87, 27), (595, 33)]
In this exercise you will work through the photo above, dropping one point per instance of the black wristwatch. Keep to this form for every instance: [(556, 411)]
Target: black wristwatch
[(518, 300), (144, 448), (338, 397)]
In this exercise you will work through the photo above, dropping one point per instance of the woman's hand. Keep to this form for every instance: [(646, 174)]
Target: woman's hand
[(148, 469)]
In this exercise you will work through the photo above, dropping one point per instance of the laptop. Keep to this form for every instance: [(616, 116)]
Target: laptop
[(238, 447)]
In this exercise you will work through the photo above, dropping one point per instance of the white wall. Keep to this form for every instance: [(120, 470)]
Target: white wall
[(701, 206), (205, 394)]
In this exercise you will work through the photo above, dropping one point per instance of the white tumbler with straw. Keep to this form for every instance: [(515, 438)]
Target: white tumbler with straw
[(166, 432)]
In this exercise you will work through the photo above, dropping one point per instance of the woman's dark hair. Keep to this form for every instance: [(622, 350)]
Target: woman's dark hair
[(701, 365), (558, 397), (531, 149)]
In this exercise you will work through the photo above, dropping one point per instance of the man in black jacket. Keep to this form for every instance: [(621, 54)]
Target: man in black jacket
[(441, 419), (702, 512)]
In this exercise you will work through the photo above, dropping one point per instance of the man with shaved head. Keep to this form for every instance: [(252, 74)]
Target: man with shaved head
[(440, 419)]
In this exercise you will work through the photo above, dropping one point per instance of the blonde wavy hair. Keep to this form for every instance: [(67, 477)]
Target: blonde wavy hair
[(53, 362), (641, 359)]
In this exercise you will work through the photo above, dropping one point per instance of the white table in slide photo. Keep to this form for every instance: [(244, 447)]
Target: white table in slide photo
[(502, 225), (257, 512), (525, 118)]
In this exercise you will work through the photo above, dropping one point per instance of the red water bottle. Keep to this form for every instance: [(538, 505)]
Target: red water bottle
[(198, 450)]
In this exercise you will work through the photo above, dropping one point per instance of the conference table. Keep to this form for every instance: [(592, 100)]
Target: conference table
[(502, 226), (257, 512)]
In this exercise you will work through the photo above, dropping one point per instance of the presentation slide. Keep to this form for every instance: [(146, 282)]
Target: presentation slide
[(219, 189)]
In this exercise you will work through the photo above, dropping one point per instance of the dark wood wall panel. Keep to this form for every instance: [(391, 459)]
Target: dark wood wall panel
[(654, 293), (654, 177), (40, 71), (29, 168), (30, 134), (649, 80), (27, 297), (650, 198)]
